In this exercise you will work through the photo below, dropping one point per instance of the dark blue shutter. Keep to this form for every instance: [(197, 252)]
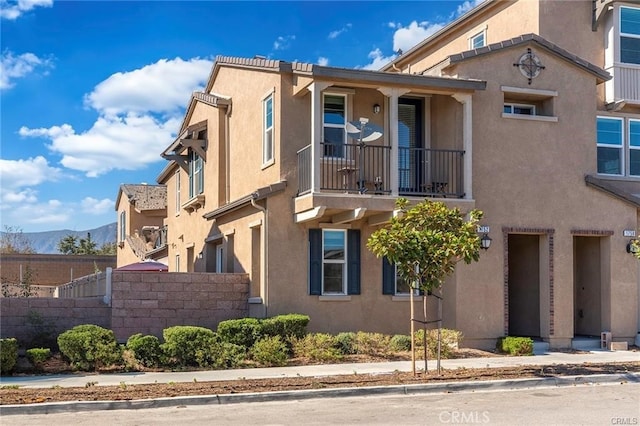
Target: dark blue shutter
[(315, 261), (388, 277), (353, 253)]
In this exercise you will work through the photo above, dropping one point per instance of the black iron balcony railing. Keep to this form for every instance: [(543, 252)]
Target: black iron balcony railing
[(430, 172), (355, 168)]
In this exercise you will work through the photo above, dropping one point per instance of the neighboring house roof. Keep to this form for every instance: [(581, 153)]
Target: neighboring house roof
[(625, 190), (144, 197), (595, 70)]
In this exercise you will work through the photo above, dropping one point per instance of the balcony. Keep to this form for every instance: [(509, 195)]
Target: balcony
[(624, 87), (366, 169)]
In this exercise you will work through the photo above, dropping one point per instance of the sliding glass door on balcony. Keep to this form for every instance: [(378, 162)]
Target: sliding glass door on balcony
[(410, 145)]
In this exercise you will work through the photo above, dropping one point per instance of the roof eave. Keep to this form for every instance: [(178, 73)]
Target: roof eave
[(411, 80)]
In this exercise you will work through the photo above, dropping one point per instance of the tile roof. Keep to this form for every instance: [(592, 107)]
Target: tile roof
[(626, 190), (522, 39), (146, 197)]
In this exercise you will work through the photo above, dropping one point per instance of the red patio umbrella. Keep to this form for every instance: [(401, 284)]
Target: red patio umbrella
[(145, 266)]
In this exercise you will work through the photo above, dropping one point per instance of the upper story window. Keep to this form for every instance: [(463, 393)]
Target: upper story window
[(629, 35), (478, 40), (522, 109), (529, 104), (609, 143), (122, 230), (334, 119), (267, 139), (196, 174), (178, 191), (634, 147)]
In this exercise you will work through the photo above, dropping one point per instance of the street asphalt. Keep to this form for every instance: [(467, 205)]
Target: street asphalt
[(548, 358)]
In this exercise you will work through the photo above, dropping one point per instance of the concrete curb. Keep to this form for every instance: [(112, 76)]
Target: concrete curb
[(449, 387)]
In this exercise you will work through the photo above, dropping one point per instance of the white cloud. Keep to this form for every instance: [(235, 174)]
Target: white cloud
[(13, 10), (139, 113), (14, 67), (378, 60), (406, 37), (52, 132), (93, 206), (16, 174), (114, 142), (334, 34), (323, 61), (50, 212), (27, 195), (467, 6), (162, 87), (283, 42)]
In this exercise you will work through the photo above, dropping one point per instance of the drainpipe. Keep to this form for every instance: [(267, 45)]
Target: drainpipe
[(227, 159), (264, 288)]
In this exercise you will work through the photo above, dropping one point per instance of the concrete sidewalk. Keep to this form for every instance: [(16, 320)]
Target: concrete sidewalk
[(80, 380)]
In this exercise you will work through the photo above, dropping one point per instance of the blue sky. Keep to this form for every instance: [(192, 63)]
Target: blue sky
[(92, 92)]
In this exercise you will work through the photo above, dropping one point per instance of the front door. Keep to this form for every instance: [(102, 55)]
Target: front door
[(411, 159)]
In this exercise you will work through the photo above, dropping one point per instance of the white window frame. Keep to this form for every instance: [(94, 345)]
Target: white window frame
[(513, 106), (122, 234), (219, 258), (177, 263), (336, 261), (178, 203), (627, 35), (268, 146), (620, 147), (630, 147), (336, 126), (480, 34), (196, 174)]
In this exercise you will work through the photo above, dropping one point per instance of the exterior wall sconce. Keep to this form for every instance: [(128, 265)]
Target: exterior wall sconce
[(485, 242), (200, 255), (631, 247), (376, 109)]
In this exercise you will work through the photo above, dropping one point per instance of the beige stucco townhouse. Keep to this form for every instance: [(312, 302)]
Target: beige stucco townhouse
[(527, 110)]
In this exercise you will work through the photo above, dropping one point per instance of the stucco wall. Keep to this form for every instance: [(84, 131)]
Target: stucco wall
[(142, 302), (22, 318)]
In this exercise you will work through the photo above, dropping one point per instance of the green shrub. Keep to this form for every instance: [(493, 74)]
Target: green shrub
[(450, 341), (516, 346), (375, 344), (41, 332), (346, 342), (38, 355), (181, 343), (269, 351), (89, 347), (146, 349), (243, 331), (8, 355), (218, 354), (400, 342), (287, 326), (320, 347)]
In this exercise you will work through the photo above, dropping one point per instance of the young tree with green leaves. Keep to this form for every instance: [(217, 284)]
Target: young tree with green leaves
[(425, 242)]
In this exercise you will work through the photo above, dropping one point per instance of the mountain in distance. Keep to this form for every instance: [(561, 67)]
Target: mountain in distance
[(47, 242)]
